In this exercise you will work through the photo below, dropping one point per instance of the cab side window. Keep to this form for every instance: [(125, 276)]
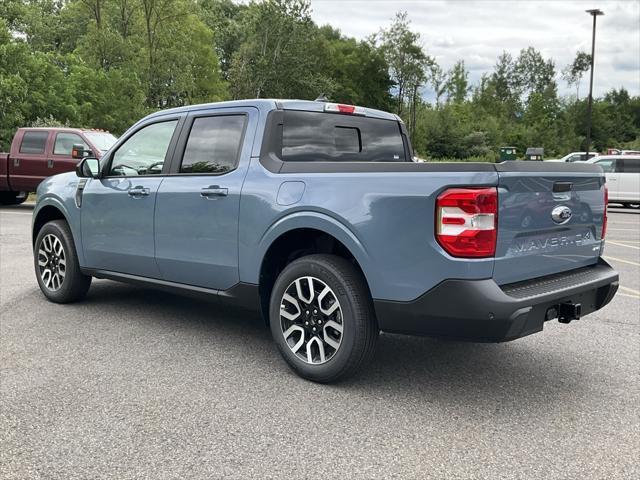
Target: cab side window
[(34, 142), (608, 165), (144, 152), (65, 142), (213, 144)]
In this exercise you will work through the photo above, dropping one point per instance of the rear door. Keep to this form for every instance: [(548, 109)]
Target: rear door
[(629, 179), (28, 165), (198, 205), (550, 218)]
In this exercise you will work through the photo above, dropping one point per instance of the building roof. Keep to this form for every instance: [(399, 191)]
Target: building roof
[(535, 151)]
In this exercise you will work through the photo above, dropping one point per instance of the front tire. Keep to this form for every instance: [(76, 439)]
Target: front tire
[(56, 264), (321, 318)]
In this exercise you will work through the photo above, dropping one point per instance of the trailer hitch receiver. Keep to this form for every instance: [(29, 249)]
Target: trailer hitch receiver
[(569, 311)]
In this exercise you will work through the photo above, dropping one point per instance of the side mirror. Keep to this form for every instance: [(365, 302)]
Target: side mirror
[(88, 168), (78, 152)]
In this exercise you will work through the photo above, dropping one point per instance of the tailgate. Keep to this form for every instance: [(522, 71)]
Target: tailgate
[(550, 218)]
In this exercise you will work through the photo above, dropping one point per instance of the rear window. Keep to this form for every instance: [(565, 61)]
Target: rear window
[(326, 137), (34, 142)]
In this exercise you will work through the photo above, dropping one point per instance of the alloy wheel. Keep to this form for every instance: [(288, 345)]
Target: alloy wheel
[(52, 262), (311, 320)]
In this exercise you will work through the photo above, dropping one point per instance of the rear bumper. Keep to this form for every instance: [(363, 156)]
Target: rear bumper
[(481, 310)]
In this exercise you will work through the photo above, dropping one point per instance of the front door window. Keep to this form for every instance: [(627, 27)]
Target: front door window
[(144, 152)]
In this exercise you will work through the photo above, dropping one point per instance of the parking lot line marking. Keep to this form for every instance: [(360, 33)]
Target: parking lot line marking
[(628, 296), (623, 240), (623, 245), (624, 229), (627, 289), (621, 260), (14, 213)]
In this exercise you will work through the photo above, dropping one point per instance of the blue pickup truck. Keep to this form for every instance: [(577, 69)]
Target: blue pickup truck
[(315, 215)]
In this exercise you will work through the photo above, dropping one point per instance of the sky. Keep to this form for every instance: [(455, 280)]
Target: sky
[(478, 31)]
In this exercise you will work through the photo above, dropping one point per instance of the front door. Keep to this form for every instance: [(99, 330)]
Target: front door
[(117, 210), (198, 204), (611, 167), (60, 159)]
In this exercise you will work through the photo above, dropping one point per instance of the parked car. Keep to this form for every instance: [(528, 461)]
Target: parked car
[(313, 214), (623, 177), (617, 151), (574, 157), (37, 153)]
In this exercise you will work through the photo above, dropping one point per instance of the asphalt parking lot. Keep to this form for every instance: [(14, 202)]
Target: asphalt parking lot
[(133, 383)]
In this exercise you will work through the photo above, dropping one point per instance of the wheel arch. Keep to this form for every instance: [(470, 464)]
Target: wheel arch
[(45, 214), (296, 237)]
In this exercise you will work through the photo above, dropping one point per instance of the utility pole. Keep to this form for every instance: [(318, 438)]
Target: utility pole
[(594, 13)]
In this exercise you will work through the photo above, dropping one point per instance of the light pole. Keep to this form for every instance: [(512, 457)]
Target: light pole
[(594, 13)]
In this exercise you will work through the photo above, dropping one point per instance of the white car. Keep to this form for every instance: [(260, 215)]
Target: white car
[(573, 157), (623, 178)]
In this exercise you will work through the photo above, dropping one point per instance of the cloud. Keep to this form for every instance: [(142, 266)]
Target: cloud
[(479, 31)]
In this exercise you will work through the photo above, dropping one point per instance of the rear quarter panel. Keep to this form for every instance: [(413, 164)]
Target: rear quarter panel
[(386, 219)]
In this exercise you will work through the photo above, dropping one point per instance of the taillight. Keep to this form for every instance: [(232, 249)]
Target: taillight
[(467, 221), (606, 202)]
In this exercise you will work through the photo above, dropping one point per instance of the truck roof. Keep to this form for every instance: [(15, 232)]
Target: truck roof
[(272, 104), (65, 129)]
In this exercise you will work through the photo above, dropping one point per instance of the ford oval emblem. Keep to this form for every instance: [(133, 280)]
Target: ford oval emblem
[(561, 214)]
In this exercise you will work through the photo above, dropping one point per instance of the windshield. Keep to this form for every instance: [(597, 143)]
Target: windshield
[(103, 141)]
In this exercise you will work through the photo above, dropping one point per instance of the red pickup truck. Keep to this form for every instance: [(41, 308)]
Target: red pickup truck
[(38, 153)]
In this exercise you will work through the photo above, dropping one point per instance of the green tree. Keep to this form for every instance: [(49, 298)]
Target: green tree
[(573, 72), (457, 85), (276, 58)]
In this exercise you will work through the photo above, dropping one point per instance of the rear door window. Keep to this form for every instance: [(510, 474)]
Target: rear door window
[(326, 137), (213, 144), (631, 165), (34, 142)]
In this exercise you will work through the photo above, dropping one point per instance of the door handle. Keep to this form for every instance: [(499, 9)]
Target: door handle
[(214, 191), (16, 162), (50, 163), (137, 192)]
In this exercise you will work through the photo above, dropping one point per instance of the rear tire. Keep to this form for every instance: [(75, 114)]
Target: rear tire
[(322, 319), (56, 264), (13, 198)]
